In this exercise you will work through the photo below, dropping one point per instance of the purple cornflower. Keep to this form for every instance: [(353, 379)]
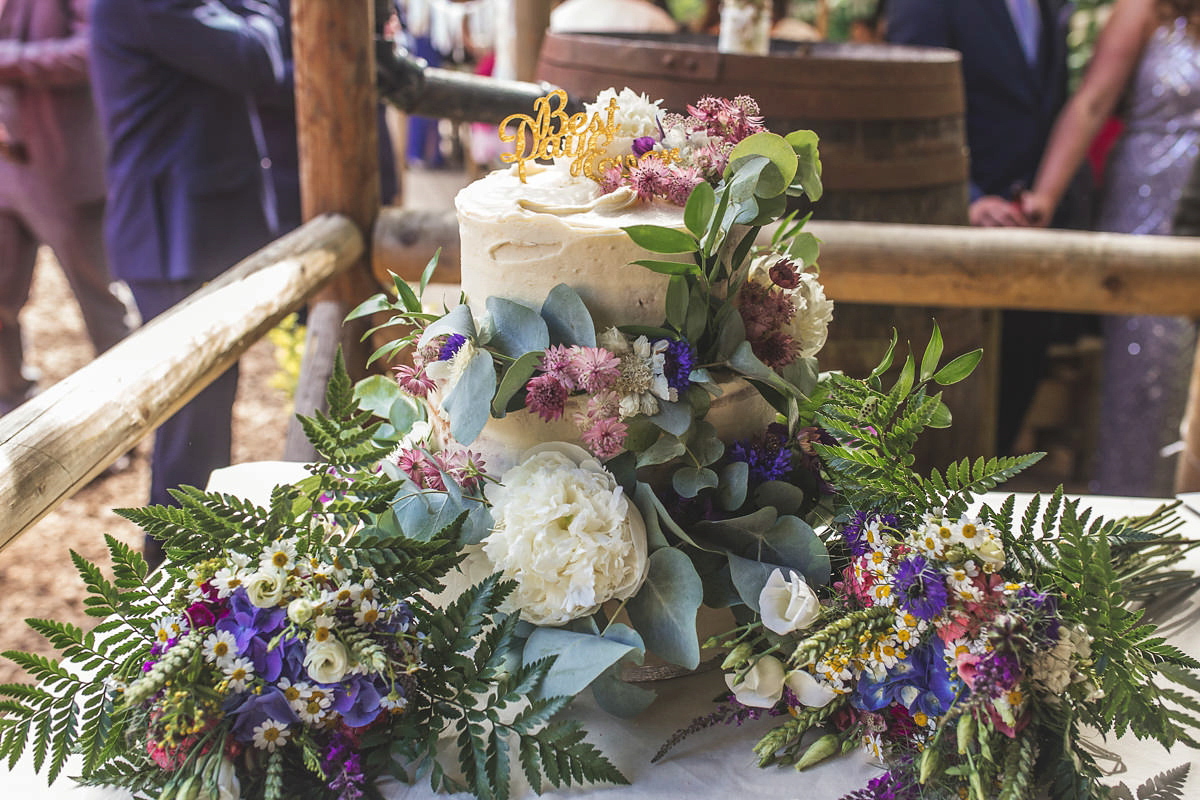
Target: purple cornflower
[(451, 346), (678, 362), (920, 588), (768, 457)]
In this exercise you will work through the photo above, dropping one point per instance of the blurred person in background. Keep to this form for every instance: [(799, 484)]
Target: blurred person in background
[(1014, 66), (1147, 59), (51, 178), (187, 195), (624, 16)]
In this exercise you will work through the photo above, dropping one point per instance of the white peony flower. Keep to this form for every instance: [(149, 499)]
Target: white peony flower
[(327, 661), (809, 326), (566, 533), (265, 587), (637, 115), (808, 690), (762, 685), (788, 604), (228, 786)]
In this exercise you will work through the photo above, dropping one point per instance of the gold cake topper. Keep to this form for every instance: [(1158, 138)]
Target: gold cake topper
[(553, 133)]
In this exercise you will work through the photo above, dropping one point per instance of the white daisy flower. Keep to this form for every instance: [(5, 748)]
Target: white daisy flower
[(220, 648), (279, 555), (322, 628), (228, 579), (346, 595), (239, 672), (167, 628), (270, 735), (315, 709), (394, 701), (367, 614)]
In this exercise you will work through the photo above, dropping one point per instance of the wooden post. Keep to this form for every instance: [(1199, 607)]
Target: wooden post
[(531, 18), (1187, 223), (336, 104)]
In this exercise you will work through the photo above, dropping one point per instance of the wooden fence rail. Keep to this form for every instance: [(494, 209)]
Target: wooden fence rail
[(57, 442), (925, 265)]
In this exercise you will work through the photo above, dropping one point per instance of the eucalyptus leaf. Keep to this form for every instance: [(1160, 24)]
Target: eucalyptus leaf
[(662, 451), (765, 536), (660, 239), (664, 609), (568, 320), (717, 231), (643, 498), (641, 434), (518, 328), (777, 150), (671, 525), (803, 373), (697, 316), (749, 577), (784, 497), (377, 393), (735, 478), (704, 445), (690, 481), (674, 418), (933, 354), (619, 698), (731, 336), (456, 320), (808, 163), (579, 658), (698, 397), (514, 380), (469, 403), (958, 369)]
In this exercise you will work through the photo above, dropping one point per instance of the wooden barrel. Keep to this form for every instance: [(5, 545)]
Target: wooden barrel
[(892, 138)]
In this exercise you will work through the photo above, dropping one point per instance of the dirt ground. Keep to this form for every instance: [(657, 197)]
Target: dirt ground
[(37, 578)]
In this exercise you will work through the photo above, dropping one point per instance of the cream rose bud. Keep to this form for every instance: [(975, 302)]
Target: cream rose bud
[(228, 786), (787, 604), (761, 686), (300, 610), (991, 551), (265, 587), (326, 661), (808, 690)]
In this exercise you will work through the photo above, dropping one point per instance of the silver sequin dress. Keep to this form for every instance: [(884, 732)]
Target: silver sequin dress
[(1147, 360)]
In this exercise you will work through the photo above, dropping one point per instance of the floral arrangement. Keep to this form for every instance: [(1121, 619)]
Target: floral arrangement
[(292, 651)]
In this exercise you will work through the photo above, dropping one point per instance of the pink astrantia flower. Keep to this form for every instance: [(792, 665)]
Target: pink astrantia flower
[(559, 361), (650, 178), (414, 380), (606, 438), (594, 368), (681, 183), (604, 405), (465, 466), (546, 396), (422, 469)]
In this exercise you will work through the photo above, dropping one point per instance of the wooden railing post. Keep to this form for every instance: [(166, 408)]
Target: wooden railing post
[(336, 105)]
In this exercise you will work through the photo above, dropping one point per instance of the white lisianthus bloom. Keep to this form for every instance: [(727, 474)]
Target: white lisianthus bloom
[(327, 661), (808, 690), (228, 786), (762, 685), (566, 533), (265, 587), (788, 604), (300, 610)]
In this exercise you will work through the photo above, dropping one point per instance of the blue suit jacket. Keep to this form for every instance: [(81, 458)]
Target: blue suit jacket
[(1011, 105), (172, 80)]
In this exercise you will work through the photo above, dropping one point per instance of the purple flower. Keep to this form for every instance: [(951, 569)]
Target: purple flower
[(996, 672), (257, 709), (1043, 609), (767, 455), (919, 683), (451, 346), (357, 700), (643, 145), (920, 588), (678, 362), (246, 620)]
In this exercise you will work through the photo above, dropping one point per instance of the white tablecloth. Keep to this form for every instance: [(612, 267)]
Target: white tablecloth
[(717, 762)]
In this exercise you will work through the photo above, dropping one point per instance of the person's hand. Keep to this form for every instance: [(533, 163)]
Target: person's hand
[(993, 211), (1037, 209)]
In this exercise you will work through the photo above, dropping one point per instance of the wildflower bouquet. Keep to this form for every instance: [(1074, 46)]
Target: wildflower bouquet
[(634, 513), (966, 652), (290, 651)]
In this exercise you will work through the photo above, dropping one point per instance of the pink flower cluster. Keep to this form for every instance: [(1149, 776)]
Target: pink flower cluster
[(592, 370), (766, 310), (427, 470), (704, 138)]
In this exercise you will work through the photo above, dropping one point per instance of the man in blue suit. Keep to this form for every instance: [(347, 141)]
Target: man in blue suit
[(1014, 64), (186, 193)]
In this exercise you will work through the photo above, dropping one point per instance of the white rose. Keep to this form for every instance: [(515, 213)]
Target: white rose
[(787, 604), (265, 587), (228, 786), (300, 610), (808, 690), (762, 685), (991, 551), (326, 661), (566, 533)]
